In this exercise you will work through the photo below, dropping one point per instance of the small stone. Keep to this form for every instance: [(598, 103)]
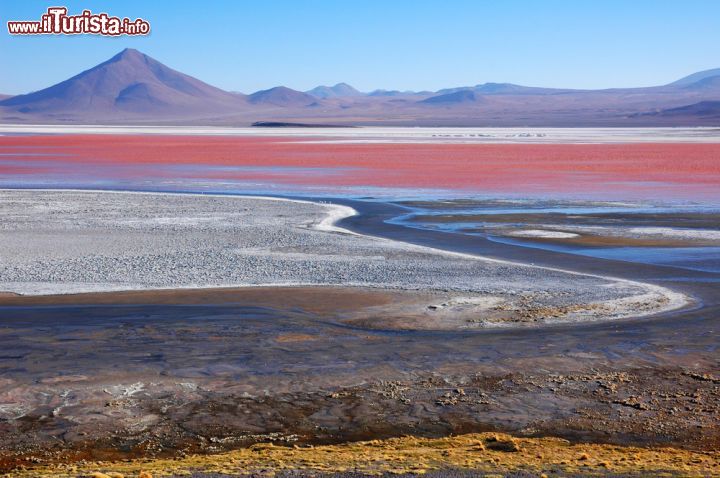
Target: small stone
[(500, 443)]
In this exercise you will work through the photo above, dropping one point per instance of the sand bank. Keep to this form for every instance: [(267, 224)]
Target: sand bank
[(69, 242)]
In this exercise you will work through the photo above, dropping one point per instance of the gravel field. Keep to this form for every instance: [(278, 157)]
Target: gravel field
[(59, 242)]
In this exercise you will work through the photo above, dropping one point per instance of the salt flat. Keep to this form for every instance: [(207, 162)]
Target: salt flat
[(389, 134), (60, 242)]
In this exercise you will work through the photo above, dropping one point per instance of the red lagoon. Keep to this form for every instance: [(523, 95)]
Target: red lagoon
[(651, 171)]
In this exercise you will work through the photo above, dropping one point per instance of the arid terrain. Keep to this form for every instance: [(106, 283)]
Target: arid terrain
[(326, 239), (93, 378), (133, 88), (529, 309)]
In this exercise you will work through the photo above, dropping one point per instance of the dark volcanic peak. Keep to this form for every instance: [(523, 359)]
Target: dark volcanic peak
[(695, 77), (129, 82), (281, 96), (462, 96), (341, 90)]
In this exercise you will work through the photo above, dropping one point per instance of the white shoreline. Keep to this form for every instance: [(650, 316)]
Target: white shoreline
[(335, 213), (400, 134)]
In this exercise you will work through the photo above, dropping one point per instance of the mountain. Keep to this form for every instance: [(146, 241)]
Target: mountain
[(281, 96), (702, 109), (696, 77), (510, 89), (129, 84), (458, 97), (133, 88), (341, 90), (708, 83), (391, 93), (504, 89)]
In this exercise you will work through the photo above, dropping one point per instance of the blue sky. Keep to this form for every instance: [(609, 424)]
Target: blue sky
[(393, 44)]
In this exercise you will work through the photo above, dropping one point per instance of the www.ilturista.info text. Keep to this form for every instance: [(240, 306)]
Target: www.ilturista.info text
[(57, 22)]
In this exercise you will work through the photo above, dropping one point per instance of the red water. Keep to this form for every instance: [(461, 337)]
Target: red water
[(647, 171)]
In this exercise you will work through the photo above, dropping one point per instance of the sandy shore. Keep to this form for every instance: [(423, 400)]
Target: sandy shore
[(69, 242), (164, 369)]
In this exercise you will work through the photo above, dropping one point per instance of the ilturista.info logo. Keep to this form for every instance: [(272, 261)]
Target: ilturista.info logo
[(57, 22)]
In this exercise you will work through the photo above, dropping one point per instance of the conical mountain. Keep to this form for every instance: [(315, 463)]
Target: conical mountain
[(130, 82)]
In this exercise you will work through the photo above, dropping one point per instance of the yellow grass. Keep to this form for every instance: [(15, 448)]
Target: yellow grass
[(485, 452)]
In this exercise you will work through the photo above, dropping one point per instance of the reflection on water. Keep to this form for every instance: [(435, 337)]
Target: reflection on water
[(597, 229), (694, 258)]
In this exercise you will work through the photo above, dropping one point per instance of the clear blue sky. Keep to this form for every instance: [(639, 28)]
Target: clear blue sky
[(393, 44)]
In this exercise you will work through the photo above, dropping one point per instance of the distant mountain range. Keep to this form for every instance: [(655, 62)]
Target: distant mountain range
[(132, 88), (456, 97), (708, 110), (282, 96), (341, 90)]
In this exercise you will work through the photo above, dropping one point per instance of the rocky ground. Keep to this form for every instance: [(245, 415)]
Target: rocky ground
[(664, 407), (95, 382), (104, 388)]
